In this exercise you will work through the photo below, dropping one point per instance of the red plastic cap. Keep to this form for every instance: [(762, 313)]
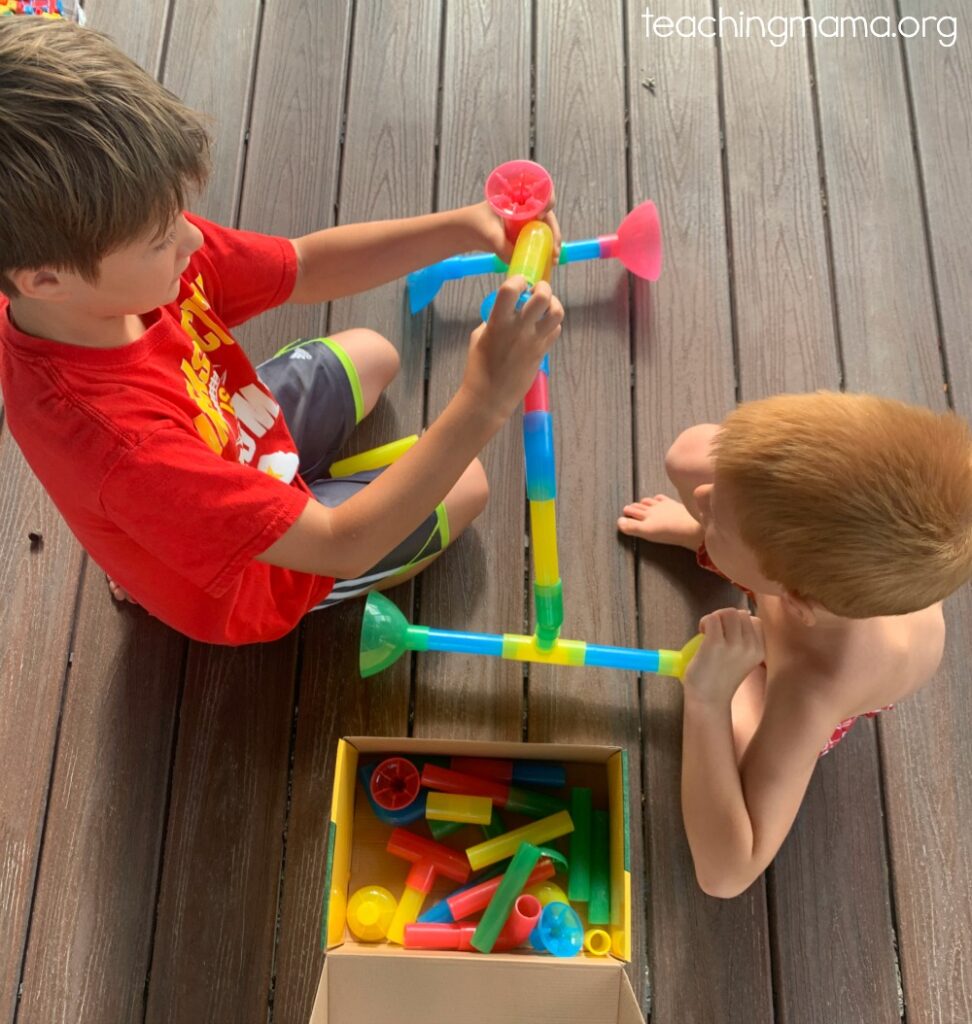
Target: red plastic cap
[(518, 191), (395, 783)]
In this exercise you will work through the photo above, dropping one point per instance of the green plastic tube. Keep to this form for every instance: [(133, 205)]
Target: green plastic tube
[(441, 829), (499, 907), (496, 826), (579, 879), (533, 805), (599, 904)]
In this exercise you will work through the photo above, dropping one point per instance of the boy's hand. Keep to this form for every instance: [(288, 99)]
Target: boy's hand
[(505, 352), (732, 648), (490, 234)]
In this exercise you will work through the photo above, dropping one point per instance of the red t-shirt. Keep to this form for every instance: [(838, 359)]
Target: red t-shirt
[(168, 458)]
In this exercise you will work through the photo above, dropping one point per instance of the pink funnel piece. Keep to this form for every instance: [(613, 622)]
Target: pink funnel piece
[(518, 191), (639, 242)]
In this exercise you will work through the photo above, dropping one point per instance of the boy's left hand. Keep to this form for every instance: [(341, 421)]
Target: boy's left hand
[(732, 648), (491, 235)]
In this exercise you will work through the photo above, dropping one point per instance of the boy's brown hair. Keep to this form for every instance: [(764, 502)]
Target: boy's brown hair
[(860, 503), (94, 153)]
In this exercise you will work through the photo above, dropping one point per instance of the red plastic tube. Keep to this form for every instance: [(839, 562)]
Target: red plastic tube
[(484, 767), (445, 780), (469, 901), (429, 857), (521, 922)]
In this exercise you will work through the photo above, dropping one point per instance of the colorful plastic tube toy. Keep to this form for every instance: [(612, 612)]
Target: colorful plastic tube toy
[(441, 829), (373, 458), (510, 887), (599, 904), (547, 892), (456, 807), (518, 191), (579, 879), (395, 784), (523, 773), (522, 921), (440, 912), (489, 852), (405, 816), (370, 912), (510, 798), (465, 903), (637, 245), (559, 931), (429, 859), (597, 942), (386, 635)]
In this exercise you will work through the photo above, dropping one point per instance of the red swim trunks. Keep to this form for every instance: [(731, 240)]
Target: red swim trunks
[(844, 727)]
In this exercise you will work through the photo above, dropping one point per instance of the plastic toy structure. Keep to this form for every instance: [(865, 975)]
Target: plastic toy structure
[(519, 192)]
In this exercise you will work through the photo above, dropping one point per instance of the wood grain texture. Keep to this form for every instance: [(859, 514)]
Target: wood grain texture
[(684, 374), (579, 138), (218, 898), (40, 584), (478, 585)]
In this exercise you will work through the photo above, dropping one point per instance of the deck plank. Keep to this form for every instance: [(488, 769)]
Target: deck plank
[(479, 584), (684, 374), (580, 133), (387, 171), (786, 340)]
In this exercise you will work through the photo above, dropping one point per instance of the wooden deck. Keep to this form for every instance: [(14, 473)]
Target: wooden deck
[(163, 804)]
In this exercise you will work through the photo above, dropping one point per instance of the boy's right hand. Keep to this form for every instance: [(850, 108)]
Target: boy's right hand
[(732, 648), (506, 351)]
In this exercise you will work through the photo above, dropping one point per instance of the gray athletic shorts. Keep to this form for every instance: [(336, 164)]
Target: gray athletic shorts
[(317, 388)]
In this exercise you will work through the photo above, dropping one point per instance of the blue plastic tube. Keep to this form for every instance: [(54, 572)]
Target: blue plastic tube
[(465, 643), (574, 252), (621, 657), (541, 481), (539, 773)]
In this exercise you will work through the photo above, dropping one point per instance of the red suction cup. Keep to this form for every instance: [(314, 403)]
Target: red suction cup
[(639, 244), (395, 784), (518, 191)]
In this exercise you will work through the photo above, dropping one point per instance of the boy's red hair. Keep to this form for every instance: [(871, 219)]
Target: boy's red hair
[(862, 504)]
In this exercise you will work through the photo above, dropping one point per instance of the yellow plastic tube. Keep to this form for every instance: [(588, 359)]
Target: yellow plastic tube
[(409, 908), (533, 252), (597, 942), (537, 832), (547, 892), (373, 458), (543, 539), (472, 810)]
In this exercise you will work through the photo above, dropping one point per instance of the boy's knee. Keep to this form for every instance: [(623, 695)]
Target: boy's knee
[(468, 498), (372, 353), (690, 453)]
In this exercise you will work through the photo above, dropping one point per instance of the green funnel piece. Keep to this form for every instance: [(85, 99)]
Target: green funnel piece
[(386, 635)]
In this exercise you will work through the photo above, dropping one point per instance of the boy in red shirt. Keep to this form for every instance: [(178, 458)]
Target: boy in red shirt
[(187, 474)]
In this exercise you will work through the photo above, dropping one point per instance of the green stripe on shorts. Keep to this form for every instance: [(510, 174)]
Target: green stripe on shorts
[(349, 368)]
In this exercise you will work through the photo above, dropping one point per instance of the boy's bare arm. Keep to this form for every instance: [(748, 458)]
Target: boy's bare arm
[(352, 258), (737, 815), (503, 359)]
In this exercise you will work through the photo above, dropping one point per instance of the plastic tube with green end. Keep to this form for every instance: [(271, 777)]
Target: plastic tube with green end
[(599, 904), (579, 879), (510, 887)]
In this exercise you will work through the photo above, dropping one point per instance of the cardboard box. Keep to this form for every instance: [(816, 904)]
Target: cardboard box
[(384, 984)]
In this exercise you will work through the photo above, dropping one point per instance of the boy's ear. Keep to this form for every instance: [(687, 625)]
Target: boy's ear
[(43, 283), (800, 608)]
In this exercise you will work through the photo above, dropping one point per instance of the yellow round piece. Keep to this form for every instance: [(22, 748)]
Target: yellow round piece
[(370, 912), (597, 942)]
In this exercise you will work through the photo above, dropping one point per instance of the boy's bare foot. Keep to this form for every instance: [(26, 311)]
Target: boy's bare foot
[(119, 593), (662, 520)]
